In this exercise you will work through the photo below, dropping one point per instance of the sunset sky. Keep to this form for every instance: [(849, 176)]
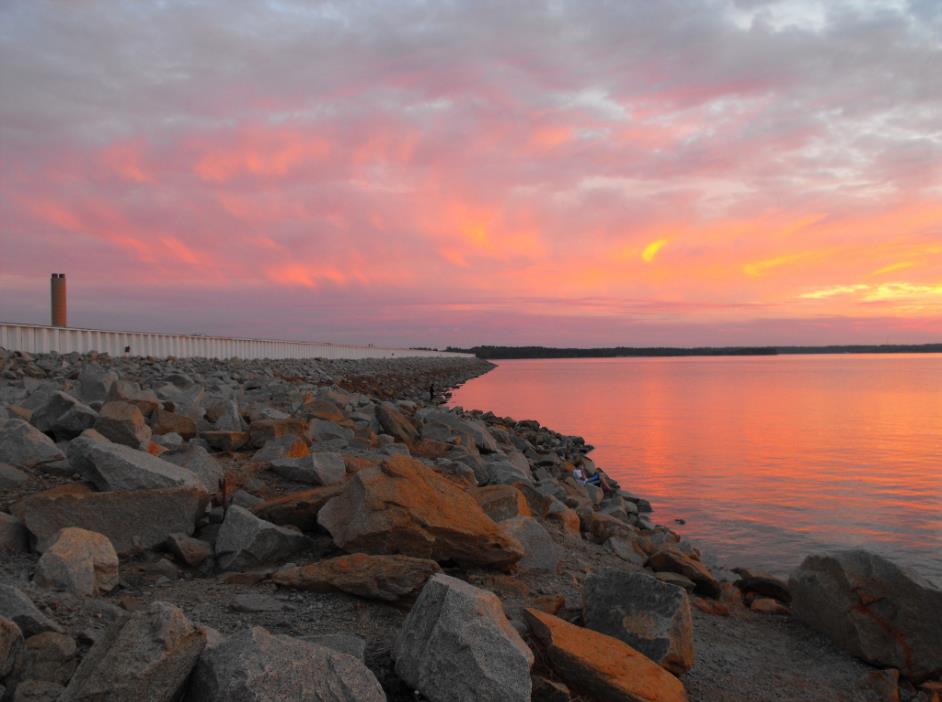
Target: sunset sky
[(644, 172)]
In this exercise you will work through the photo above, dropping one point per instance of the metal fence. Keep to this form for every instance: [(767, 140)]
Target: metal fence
[(35, 338)]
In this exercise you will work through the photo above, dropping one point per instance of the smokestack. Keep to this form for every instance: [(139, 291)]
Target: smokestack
[(59, 309)]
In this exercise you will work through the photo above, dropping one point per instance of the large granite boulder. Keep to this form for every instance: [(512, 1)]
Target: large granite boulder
[(319, 468), (298, 509), (647, 614), (396, 424), (126, 391), (257, 666), (111, 466), (540, 553), (245, 541), (165, 422), (436, 419), (123, 423), (456, 645), (599, 667), (501, 502), (79, 561), (872, 608), (11, 646), (63, 416), (201, 463), (24, 446), (19, 608), (95, 382), (405, 507), (388, 578), (671, 559), (132, 520), (146, 656)]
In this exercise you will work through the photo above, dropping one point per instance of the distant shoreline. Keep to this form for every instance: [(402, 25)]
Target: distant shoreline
[(521, 352)]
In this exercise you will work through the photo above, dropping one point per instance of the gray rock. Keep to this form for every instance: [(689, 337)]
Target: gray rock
[(627, 550), (321, 468), (500, 469), (395, 423), (95, 382), (123, 423), (50, 657), (171, 441), (647, 614), (24, 446), (63, 416), (11, 646), (133, 520), (255, 665), (456, 645), (188, 550), (226, 416), (872, 608), (79, 561), (11, 477), (245, 541), (112, 466), (16, 606), (344, 643), (201, 463), (13, 535), (541, 553), (37, 691), (126, 391), (325, 432), (146, 656)]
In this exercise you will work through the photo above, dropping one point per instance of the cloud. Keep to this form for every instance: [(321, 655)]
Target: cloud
[(476, 156)]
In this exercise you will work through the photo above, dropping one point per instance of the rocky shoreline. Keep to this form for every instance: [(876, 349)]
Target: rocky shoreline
[(190, 529)]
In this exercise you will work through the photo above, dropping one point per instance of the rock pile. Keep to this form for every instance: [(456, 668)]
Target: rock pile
[(183, 529)]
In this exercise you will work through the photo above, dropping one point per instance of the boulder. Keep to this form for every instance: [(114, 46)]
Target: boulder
[(650, 616), (329, 434), (200, 463), (146, 656), (259, 666), (263, 431), (501, 502), (18, 608), (474, 429), (873, 609), (111, 466), (672, 560), (11, 477), (765, 586), (245, 541), (344, 643), (79, 561), (126, 391), (321, 468), (24, 446), (405, 507), (63, 416), (395, 423), (298, 509), (165, 422), (51, 657), (13, 535), (600, 667), (283, 447), (226, 441), (499, 469), (627, 549), (388, 578), (540, 552), (95, 382), (11, 646), (132, 520), (188, 550), (457, 645), (123, 423)]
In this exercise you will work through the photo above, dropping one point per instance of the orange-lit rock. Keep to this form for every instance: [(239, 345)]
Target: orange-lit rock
[(299, 509), (600, 667), (405, 507)]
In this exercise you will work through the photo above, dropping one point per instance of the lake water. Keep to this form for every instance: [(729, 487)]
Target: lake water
[(766, 458)]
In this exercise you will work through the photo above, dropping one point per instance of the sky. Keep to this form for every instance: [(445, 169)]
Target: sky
[(565, 172)]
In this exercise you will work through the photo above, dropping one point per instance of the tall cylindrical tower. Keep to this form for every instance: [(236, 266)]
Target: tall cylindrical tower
[(59, 308)]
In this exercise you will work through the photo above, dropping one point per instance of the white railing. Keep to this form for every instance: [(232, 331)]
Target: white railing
[(35, 338)]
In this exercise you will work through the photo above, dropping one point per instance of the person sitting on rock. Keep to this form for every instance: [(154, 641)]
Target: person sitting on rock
[(589, 475)]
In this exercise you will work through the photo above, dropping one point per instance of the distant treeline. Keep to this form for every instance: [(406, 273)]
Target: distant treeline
[(498, 352)]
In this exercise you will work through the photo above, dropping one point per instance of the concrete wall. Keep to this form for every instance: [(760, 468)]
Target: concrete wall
[(34, 338)]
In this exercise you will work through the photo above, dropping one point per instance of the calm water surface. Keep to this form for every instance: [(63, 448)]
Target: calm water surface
[(766, 458)]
